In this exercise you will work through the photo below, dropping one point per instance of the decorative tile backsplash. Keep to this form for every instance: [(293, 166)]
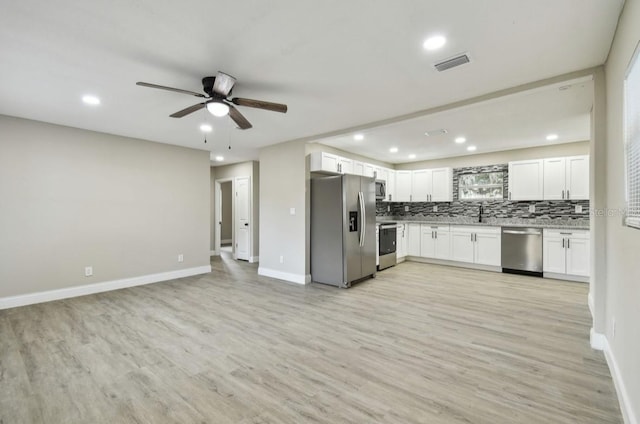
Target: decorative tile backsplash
[(556, 209)]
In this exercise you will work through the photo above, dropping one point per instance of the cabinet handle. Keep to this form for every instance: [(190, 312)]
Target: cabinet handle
[(390, 197), (568, 243), (411, 197), (568, 197), (563, 194), (509, 195), (471, 237), (436, 235), (563, 243)]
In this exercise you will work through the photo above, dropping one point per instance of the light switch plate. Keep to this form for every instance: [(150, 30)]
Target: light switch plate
[(292, 211), (578, 208), (532, 208)]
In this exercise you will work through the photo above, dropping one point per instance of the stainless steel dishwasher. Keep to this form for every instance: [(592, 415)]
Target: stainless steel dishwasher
[(522, 250)]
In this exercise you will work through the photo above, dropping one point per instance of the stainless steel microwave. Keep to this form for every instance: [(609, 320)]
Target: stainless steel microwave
[(381, 189)]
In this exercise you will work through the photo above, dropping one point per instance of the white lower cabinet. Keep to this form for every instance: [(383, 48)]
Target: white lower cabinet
[(566, 252), (413, 239), (435, 241), (401, 241), (478, 245)]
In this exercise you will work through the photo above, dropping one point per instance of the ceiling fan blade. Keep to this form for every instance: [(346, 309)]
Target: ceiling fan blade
[(223, 84), (259, 104), (188, 110), (177, 90), (238, 118)]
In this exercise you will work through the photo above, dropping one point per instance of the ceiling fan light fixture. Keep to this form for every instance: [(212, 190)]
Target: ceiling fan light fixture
[(218, 109)]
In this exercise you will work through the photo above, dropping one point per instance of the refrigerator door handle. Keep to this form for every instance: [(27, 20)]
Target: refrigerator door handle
[(362, 218)]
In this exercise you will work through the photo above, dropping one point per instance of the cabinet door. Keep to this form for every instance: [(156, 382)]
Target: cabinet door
[(553, 254), (526, 180), (369, 170), (462, 246), (403, 186), (421, 185), (442, 185), (428, 242), (382, 174), (578, 261), (391, 186), (401, 241), (554, 179), (413, 239), (330, 162), (577, 177), (443, 244), (358, 167), (488, 248), (346, 165)]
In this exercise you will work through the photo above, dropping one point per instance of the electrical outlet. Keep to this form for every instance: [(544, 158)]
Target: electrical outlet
[(578, 208), (532, 208), (88, 271), (281, 259), (181, 258), (406, 208), (435, 208)]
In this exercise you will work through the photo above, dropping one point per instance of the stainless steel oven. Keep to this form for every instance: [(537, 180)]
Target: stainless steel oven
[(387, 244)]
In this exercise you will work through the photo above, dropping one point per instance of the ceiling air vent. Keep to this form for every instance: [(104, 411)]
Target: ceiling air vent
[(452, 63)]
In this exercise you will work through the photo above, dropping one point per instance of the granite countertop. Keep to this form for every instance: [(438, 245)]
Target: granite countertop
[(576, 224)]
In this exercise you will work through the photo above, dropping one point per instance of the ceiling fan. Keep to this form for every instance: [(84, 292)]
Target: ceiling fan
[(218, 89)]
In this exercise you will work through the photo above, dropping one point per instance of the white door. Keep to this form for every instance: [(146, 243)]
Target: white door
[(553, 254), (403, 186), (443, 244), (243, 216), (526, 180), (578, 256), (488, 248), (420, 185), (413, 239), (554, 179), (462, 246), (428, 241), (577, 177), (442, 183)]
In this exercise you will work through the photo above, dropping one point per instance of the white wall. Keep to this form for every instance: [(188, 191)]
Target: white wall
[(622, 243), (492, 158), (283, 179), (72, 198)]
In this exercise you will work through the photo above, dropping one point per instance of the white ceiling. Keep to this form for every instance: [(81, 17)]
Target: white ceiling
[(337, 64), (509, 122)]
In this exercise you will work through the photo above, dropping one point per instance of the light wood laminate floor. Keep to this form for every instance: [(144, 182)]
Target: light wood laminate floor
[(419, 344)]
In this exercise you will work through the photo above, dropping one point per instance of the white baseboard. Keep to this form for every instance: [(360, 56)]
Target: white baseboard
[(253, 259), (286, 276), (597, 340), (453, 263), (67, 292), (590, 303), (566, 277), (626, 407)]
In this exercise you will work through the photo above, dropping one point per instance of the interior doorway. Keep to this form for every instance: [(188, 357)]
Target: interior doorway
[(232, 217)]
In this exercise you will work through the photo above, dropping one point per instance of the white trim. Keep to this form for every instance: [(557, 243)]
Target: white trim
[(623, 396), (286, 276), (226, 241), (597, 340), (67, 292), (253, 259), (453, 263), (590, 303), (566, 277)]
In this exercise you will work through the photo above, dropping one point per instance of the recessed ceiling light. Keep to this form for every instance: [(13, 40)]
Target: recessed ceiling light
[(434, 43), (358, 137), (205, 128), (471, 148), (412, 156), (91, 100), (460, 140), (219, 158), (552, 137), (393, 150)]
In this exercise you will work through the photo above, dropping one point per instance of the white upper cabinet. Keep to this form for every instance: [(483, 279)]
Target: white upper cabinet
[(526, 181), (421, 185), (358, 167), (577, 177), (324, 162), (442, 185), (566, 178), (369, 170), (391, 186), (345, 165), (382, 174), (403, 186)]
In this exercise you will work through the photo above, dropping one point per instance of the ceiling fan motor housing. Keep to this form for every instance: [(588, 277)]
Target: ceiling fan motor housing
[(207, 85)]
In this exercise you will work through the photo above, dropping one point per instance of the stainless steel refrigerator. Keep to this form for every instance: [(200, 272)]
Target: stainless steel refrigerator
[(343, 229)]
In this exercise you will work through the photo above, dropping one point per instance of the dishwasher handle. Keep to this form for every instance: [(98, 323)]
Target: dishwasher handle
[(533, 233)]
